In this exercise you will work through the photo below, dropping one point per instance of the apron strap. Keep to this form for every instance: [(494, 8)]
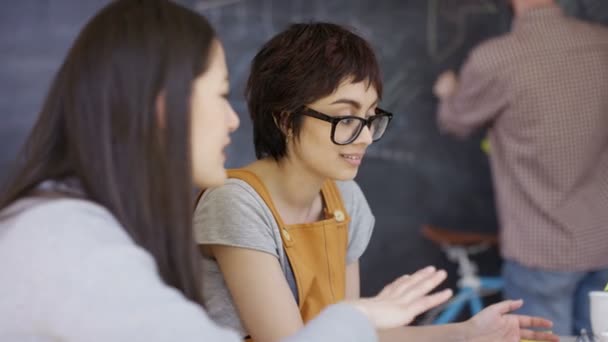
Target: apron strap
[(334, 206), (253, 180), (333, 201), (256, 183)]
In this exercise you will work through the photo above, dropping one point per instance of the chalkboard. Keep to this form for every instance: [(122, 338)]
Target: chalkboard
[(413, 176)]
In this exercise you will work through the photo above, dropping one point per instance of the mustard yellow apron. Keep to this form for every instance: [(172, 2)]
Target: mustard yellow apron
[(316, 251)]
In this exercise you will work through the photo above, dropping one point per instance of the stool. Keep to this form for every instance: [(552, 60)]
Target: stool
[(458, 246)]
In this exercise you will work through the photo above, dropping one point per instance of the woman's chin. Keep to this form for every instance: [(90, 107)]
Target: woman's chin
[(211, 179), (345, 175)]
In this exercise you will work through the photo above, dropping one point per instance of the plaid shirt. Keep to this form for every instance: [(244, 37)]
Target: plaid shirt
[(543, 92)]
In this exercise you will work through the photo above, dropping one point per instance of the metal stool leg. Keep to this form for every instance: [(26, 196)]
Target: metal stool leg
[(455, 306)]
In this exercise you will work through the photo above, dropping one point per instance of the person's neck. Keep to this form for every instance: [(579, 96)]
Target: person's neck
[(295, 189), (521, 7)]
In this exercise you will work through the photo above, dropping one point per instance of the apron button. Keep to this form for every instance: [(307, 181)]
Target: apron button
[(339, 215), (286, 235)]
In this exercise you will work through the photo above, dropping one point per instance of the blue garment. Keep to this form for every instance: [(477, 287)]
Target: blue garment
[(562, 297)]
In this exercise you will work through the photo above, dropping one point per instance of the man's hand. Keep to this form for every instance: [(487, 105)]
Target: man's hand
[(446, 84)]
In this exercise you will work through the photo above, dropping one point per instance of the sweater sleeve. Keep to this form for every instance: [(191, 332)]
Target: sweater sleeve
[(75, 275), (338, 322)]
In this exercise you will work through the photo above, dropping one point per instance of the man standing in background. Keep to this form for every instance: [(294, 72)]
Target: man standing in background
[(542, 90)]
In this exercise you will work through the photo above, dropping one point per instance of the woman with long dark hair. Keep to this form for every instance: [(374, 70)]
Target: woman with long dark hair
[(95, 223)]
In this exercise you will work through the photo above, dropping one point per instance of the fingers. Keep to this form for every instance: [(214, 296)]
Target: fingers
[(533, 322), (406, 281), (449, 74), (507, 306), (538, 335), (410, 288), (428, 302), (422, 287), (444, 83), (418, 285), (396, 283)]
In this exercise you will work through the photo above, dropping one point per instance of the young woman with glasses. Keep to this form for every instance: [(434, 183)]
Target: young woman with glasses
[(282, 238)]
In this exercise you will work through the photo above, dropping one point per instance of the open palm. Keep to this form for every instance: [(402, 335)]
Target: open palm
[(404, 299), (494, 323)]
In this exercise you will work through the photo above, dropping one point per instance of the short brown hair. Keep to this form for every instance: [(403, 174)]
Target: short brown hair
[(298, 66)]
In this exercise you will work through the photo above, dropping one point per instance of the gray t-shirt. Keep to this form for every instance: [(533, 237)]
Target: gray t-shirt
[(235, 215), (70, 272)]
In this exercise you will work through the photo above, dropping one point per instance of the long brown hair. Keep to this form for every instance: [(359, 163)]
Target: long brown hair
[(99, 124)]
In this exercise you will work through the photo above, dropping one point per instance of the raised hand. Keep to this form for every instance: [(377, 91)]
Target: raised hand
[(446, 84), (404, 299)]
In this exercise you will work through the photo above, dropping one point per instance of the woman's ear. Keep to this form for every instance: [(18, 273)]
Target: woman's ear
[(281, 121)]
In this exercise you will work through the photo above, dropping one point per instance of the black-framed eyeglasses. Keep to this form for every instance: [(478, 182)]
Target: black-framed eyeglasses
[(346, 129)]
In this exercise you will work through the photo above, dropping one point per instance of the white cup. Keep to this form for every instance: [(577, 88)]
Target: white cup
[(599, 314)]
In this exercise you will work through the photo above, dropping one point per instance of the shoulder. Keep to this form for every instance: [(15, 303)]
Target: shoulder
[(494, 52), (234, 192), (234, 198), (63, 234), (233, 187), (235, 215), (66, 257), (588, 31), (354, 199), (65, 220), (350, 191)]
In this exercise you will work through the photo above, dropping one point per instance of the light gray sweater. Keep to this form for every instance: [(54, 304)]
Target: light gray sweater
[(69, 272)]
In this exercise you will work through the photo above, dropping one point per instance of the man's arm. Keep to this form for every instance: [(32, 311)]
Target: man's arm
[(471, 101)]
